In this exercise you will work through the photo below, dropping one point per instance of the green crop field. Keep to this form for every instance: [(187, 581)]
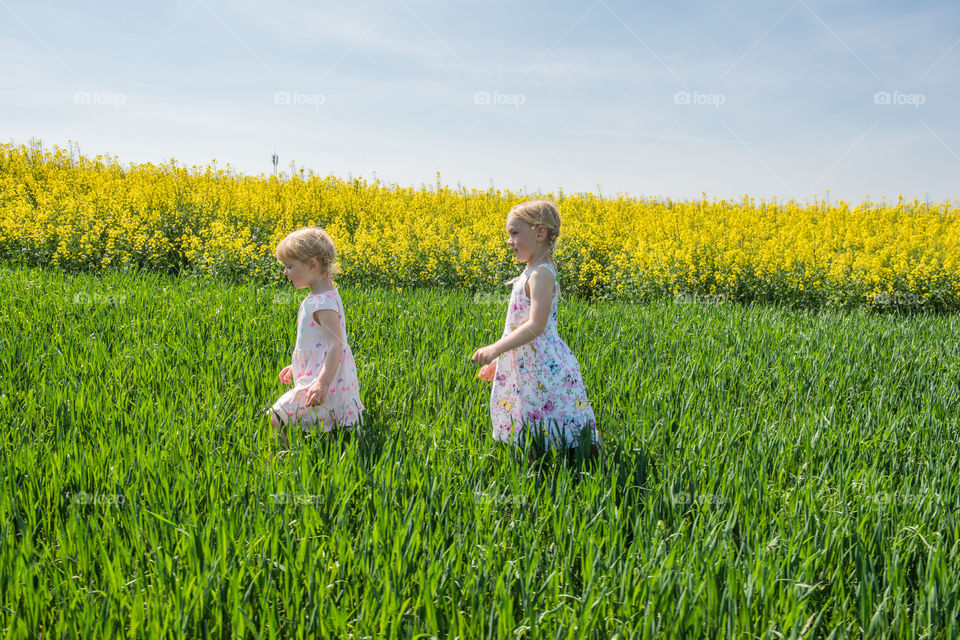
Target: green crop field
[(769, 473)]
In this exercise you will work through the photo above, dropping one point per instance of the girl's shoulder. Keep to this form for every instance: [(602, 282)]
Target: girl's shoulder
[(546, 276), (324, 300), (542, 270), (524, 275)]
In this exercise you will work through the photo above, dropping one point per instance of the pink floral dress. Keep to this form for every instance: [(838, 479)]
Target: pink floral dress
[(538, 385), (342, 406)]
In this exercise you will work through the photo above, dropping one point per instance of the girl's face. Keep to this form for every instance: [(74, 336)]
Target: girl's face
[(524, 238), (300, 273)]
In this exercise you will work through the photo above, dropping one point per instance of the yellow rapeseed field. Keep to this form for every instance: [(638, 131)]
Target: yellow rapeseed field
[(80, 213)]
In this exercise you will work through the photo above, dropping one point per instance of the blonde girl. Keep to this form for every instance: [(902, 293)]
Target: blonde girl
[(537, 387), (325, 391)]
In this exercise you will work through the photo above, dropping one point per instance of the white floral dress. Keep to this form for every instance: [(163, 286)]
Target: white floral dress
[(342, 406), (538, 385)]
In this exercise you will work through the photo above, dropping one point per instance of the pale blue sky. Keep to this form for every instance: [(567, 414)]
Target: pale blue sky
[(772, 99)]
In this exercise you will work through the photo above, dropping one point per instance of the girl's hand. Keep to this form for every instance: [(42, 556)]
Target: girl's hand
[(488, 371), (485, 355), (316, 395), (286, 374)]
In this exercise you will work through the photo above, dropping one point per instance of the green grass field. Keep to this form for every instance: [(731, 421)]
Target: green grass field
[(768, 474)]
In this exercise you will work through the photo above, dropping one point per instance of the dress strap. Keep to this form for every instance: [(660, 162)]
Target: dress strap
[(545, 264)]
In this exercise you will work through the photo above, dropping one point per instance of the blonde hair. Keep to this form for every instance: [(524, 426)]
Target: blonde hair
[(540, 212), (310, 243)]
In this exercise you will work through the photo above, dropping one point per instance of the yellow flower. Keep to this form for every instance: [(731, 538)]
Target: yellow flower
[(98, 214)]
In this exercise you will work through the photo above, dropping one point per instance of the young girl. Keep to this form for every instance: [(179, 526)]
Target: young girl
[(537, 385), (322, 369)]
